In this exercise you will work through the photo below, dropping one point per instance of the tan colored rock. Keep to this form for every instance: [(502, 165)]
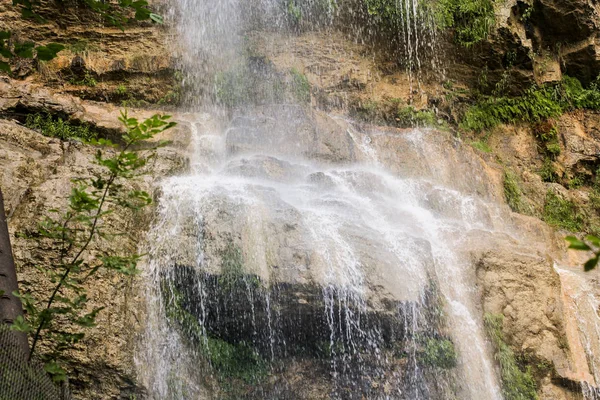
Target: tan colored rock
[(36, 175)]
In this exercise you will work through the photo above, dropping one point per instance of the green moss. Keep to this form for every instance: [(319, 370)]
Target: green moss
[(56, 127), (232, 87), (82, 46), (243, 84), (300, 86), (562, 213), (237, 361), (512, 191), (481, 146), (294, 12), (439, 353), (553, 149), (517, 382), (232, 265)]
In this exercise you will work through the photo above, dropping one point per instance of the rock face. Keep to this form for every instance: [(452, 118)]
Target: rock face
[(36, 176), (287, 267), (548, 38)]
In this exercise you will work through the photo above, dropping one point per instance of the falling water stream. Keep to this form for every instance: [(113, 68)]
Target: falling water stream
[(304, 256)]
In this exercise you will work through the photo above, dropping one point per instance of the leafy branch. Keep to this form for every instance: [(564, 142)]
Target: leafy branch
[(10, 49), (591, 243), (72, 237)]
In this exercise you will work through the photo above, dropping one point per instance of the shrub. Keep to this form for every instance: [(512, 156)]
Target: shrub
[(562, 213), (58, 128), (537, 104)]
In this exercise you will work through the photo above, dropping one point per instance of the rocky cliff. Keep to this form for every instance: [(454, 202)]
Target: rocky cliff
[(537, 288)]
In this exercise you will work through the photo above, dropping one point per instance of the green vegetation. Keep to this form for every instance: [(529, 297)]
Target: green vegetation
[(239, 361), (562, 213), (232, 86), (300, 86), (117, 13), (438, 353), (235, 365), (10, 49), (121, 90), (56, 317), (232, 265), (56, 127), (395, 113), (470, 19), (481, 145), (517, 383), (294, 12), (82, 46), (547, 134), (536, 105), (512, 191), (87, 80), (548, 172), (591, 243)]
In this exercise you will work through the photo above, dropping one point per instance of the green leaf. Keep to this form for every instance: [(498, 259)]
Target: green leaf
[(24, 50), (5, 52), (4, 35), (157, 18), (593, 240), (57, 373), (20, 325), (577, 244), (590, 264), (48, 52)]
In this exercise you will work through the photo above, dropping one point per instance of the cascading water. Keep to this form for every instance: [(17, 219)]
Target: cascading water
[(305, 257)]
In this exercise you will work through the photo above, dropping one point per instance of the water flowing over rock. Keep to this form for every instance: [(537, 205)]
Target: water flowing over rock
[(306, 256)]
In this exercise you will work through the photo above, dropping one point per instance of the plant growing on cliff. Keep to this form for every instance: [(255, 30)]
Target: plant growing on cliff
[(115, 13), (562, 213), (512, 191), (58, 317), (536, 105), (58, 128), (470, 19), (517, 383)]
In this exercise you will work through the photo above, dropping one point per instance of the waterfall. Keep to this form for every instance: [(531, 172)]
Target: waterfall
[(305, 256)]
